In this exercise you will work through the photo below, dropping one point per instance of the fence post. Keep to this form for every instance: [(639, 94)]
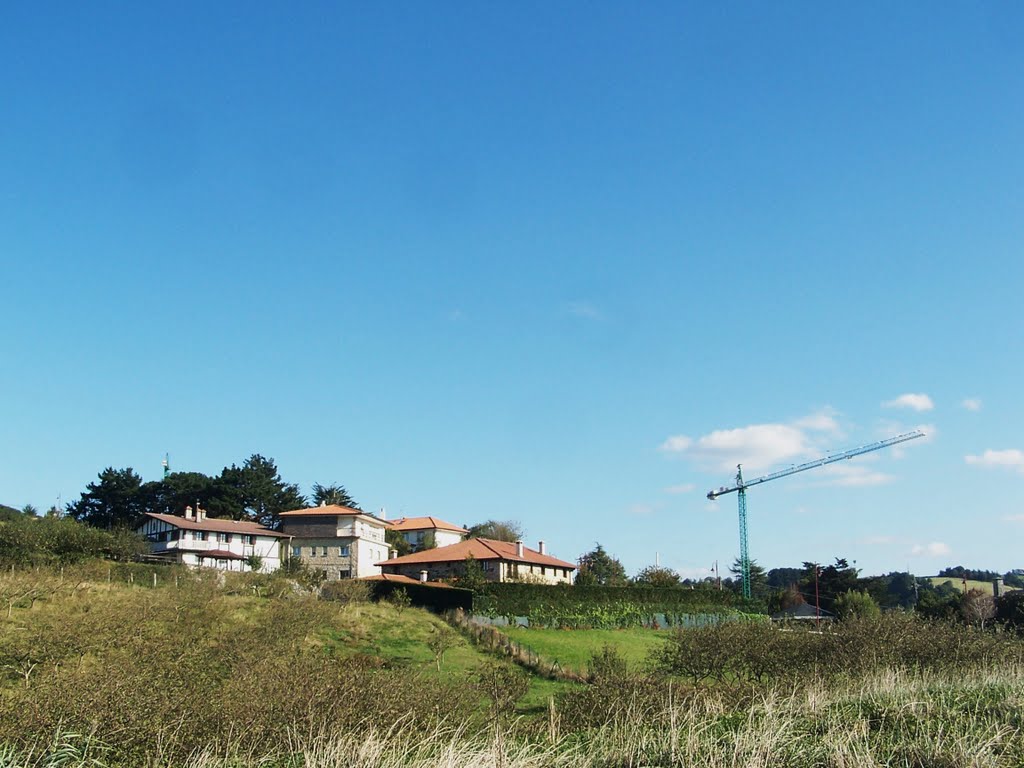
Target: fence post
[(154, 578)]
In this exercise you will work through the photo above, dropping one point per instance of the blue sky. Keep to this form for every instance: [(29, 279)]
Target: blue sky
[(566, 264)]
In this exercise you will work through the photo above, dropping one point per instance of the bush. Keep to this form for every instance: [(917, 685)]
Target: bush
[(346, 591), (161, 674), (599, 607), (29, 541), (751, 652)]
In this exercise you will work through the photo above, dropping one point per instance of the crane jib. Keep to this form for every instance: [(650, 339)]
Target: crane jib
[(742, 485), (818, 463)]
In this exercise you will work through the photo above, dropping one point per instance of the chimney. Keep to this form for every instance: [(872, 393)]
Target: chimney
[(383, 514), (519, 549), (323, 502), (200, 514), (394, 554), (188, 513), (540, 548), (997, 587), (423, 577)]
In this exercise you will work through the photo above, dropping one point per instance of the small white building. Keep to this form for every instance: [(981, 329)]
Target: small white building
[(342, 542), (418, 530), (198, 541)]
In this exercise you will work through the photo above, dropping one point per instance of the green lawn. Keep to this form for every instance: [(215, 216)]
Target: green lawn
[(573, 648)]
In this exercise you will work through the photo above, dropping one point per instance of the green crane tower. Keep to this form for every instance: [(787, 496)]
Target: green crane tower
[(741, 489)]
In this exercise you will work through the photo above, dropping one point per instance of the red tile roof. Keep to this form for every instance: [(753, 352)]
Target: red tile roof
[(216, 525), (223, 554), (481, 549), (328, 509), (424, 524), (399, 579)]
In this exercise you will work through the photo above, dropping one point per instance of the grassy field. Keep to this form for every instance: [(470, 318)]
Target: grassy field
[(213, 673), (574, 648), (982, 586)]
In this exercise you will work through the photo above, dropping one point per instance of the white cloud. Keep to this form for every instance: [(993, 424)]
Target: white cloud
[(917, 402), (822, 421), (931, 549), (850, 474), (583, 309), (1011, 458), (681, 488), (676, 444), (756, 447), (1018, 518), (971, 404)]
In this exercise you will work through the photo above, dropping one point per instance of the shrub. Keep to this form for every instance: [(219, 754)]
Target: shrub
[(346, 591)]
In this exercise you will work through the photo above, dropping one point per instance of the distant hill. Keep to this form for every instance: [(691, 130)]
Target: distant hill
[(958, 584), (9, 513)]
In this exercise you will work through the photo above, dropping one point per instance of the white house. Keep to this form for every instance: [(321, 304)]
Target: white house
[(342, 542), (196, 540), (418, 530)]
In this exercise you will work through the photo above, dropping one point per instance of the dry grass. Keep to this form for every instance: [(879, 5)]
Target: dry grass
[(890, 719)]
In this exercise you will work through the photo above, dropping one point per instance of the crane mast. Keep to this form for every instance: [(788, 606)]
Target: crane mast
[(741, 488)]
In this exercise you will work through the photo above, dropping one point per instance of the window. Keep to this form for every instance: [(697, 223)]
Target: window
[(200, 535), (323, 551), (223, 538), (344, 574), (250, 540), (296, 551), (343, 551)]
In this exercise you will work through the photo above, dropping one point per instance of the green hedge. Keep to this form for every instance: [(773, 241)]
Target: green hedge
[(601, 607), (437, 599)]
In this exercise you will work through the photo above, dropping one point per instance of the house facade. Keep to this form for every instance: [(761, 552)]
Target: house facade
[(342, 542), (198, 541), (418, 531), (500, 560)]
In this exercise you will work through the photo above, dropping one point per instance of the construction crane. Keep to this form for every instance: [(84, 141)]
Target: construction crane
[(742, 485)]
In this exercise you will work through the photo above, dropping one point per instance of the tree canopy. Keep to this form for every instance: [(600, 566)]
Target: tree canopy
[(254, 491), (115, 500), (500, 530), (332, 494), (599, 568), (657, 576)]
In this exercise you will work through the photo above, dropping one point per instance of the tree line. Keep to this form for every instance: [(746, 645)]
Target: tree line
[(254, 491), (837, 588)]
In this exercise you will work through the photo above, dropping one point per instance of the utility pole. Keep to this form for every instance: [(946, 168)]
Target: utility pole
[(817, 601)]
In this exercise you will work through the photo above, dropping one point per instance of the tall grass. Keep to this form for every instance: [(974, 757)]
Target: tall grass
[(905, 719), (196, 676)]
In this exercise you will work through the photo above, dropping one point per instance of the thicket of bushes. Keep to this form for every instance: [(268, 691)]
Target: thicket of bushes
[(436, 599), (158, 674), (599, 607), (751, 652), (36, 541)]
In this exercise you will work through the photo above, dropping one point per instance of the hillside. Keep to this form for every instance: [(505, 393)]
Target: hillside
[(7, 513)]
